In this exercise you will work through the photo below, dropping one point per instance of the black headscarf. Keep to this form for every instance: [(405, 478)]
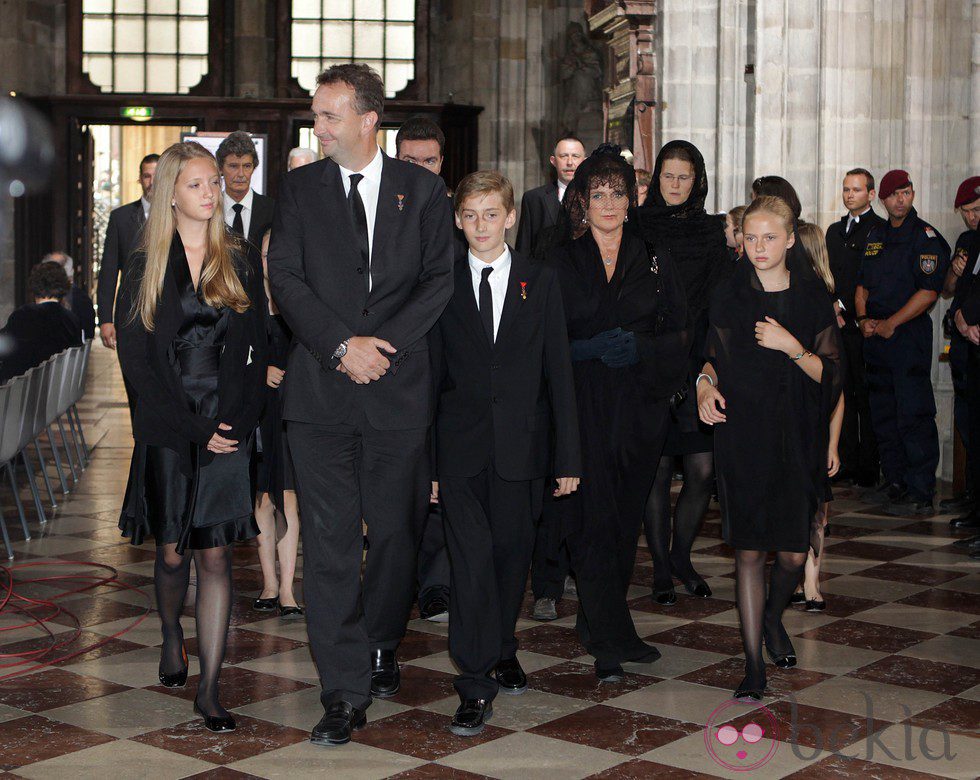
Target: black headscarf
[(694, 239)]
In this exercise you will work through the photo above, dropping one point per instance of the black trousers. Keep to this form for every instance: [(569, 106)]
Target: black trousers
[(549, 566), (345, 473), (973, 420), (858, 447), (433, 571), (490, 534)]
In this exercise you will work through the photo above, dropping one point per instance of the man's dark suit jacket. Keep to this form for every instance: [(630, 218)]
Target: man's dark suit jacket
[(80, 304), (33, 333), (846, 253), (263, 208), (540, 208), (318, 281), (121, 238), (498, 404)]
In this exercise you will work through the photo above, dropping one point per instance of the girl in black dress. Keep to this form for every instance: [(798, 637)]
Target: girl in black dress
[(192, 342), (770, 383), (625, 312), (275, 491), (675, 222)]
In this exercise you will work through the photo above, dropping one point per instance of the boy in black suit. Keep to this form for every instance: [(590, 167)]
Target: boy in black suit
[(504, 387)]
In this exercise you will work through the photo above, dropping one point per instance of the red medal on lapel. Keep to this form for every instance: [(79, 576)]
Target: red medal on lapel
[(523, 291), (401, 202)]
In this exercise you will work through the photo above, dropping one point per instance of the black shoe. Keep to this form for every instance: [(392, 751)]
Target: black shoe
[(690, 579), (435, 610), (786, 658), (665, 598), (866, 479), (885, 492), (910, 505), (753, 685), (266, 605), (648, 656), (968, 543), (966, 522), (385, 674), (609, 674), (961, 503), (510, 677), (177, 679), (216, 723), (815, 605), (797, 598), (295, 612), (471, 716), (338, 722)]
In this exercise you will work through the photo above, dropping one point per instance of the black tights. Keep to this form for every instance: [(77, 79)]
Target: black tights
[(758, 614), (672, 550), (171, 574)]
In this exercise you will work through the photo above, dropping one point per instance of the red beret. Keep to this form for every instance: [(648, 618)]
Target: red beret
[(968, 192), (893, 180)]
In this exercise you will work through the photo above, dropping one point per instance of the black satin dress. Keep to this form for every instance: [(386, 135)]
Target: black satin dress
[(213, 506), (274, 467)]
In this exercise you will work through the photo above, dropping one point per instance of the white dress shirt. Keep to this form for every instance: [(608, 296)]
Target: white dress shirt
[(561, 191), (368, 189), (852, 220), (498, 282), (146, 207), (246, 202)]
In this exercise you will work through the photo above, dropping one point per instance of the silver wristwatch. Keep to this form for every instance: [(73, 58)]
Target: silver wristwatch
[(341, 350)]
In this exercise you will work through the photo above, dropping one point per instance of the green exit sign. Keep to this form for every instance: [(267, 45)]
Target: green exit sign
[(139, 113)]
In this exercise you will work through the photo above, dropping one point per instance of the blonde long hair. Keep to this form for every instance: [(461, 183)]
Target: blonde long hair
[(219, 284), (816, 249)]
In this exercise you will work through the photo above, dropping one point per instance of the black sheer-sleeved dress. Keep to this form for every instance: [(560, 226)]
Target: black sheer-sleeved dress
[(771, 453), (274, 471), (178, 492)]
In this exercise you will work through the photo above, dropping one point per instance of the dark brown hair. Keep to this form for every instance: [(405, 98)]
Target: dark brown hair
[(484, 183), (239, 144), (369, 89), (48, 280), (862, 172), (420, 128), (778, 187)]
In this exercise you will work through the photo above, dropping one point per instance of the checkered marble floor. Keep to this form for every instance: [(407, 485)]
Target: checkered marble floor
[(888, 682)]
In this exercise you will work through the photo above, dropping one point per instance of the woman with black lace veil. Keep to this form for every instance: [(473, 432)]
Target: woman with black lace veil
[(625, 312), (770, 383), (674, 221)]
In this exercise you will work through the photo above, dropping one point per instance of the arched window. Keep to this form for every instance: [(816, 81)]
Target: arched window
[(156, 46), (380, 33)]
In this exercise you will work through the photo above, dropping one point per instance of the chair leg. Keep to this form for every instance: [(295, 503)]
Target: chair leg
[(57, 462), (6, 538), (64, 440), (43, 518), (44, 473), (20, 506), (74, 438), (81, 433)]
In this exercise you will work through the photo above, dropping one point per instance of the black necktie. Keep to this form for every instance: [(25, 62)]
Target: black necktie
[(236, 224), (486, 303), (360, 224)]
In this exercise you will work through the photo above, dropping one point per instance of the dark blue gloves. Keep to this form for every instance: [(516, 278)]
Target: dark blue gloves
[(623, 352), (616, 348), (595, 347)]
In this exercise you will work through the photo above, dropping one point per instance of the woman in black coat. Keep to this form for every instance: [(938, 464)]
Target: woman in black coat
[(192, 342)]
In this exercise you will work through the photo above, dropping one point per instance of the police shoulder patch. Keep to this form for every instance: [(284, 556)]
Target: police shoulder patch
[(928, 263)]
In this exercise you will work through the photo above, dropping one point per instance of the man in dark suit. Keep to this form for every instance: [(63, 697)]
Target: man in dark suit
[(846, 241), (421, 141), (361, 267), (77, 301), (121, 238), (504, 383), (246, 212), (540, 207)]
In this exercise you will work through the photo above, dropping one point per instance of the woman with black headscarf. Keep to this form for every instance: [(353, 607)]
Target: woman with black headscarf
[(626, 313), (675, 223)]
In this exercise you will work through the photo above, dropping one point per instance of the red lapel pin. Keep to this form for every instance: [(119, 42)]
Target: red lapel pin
[(523, 291), (401, 202)]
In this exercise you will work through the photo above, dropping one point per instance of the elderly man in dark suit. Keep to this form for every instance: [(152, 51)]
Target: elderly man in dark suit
[(246, 212), (360, 265), (121, 238), (540, 207)]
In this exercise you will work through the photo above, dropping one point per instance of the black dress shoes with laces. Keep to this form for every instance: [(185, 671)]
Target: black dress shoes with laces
[(385, 674), (337, 724), (510, 677), (471, 716)]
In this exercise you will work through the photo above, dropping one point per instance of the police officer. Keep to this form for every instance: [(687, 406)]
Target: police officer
[(964, 270), (902, 273), (960, 279)]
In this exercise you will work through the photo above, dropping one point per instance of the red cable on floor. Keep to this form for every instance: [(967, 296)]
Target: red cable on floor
[(12, 600)]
